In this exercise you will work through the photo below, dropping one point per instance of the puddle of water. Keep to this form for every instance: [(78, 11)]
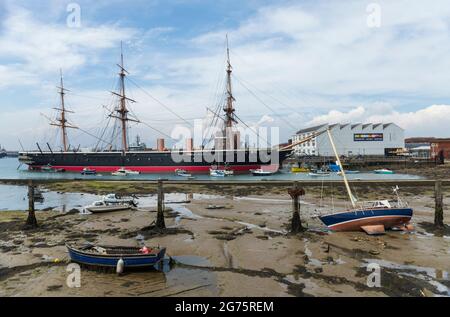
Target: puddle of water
[(288, 201), (309, 254), (253, 226), (192, 260), (424, 273)]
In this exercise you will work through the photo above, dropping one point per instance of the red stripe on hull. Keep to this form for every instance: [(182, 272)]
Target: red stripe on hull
[(387, 221), (152, 169)]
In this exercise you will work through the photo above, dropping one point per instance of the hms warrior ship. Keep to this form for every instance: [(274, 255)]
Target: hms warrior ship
[(224, 154)]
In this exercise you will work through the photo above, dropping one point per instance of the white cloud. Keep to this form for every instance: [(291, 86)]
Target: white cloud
[(307, 59), (36, 48)]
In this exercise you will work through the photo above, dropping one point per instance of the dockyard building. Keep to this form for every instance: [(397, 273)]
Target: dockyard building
[(352, 140)]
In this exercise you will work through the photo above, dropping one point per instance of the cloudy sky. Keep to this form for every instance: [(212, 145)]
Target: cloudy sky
[(296, 63)]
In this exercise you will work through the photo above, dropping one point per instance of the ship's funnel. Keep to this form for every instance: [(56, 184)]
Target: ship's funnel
[(161, 145)]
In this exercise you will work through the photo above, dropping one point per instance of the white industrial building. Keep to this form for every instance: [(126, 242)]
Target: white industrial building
[(352, 139)]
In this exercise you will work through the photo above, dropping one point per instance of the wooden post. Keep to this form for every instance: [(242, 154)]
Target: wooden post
[(439, 205), (31, 220), (295, 192), (160, 223)]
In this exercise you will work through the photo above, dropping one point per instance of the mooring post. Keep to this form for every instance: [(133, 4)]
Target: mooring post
[(160, 223), (295, 192), (31, 220), (439, 205)]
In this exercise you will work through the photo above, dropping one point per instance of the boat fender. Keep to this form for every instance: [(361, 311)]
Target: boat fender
[(120, 266)]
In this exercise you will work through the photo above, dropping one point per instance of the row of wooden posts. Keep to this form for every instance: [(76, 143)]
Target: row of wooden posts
[(296, 191)]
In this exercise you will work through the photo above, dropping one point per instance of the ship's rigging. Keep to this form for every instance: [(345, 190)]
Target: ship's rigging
[(122, 112), (61, 120), (224, 114)]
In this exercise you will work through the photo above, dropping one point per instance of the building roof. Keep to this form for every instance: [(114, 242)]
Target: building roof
[(421, 148), (420, 140), (426, 140), (312, 129), (342, 126)]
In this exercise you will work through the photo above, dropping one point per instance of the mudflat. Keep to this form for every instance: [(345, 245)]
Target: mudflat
[(241, 249)]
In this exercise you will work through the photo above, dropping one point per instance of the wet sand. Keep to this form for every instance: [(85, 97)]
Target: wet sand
[(241, 250)]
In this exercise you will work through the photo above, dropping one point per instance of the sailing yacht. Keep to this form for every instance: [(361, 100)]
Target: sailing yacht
[(372, 217)]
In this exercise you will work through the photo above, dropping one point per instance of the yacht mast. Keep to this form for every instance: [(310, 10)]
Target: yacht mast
[(347, 186)]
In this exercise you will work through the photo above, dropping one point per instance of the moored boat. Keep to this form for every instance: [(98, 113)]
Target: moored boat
[(88, 171), (109, 256), (299, 170), (183, 173), (261, 172), (372, 214), (384, 171), (47, 168), (124, 172), (100, 207), (115, 199), (220, 172), (371, 217), (349, 172), (319, 173)]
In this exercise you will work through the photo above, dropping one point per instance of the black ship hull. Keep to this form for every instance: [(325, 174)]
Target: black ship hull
[(155, 162)]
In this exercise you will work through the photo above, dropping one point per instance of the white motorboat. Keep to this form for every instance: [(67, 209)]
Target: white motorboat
[(384, 171), (261, 172), (319, 174), (103, 207), (220, 172), (183, 173), (113, 199), (124, 172)]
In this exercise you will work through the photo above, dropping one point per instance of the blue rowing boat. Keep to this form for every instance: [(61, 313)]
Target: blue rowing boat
[(109, 256)]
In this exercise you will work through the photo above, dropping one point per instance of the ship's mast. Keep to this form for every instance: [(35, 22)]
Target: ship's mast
[(122, 110), (62, 120), (229, 108)]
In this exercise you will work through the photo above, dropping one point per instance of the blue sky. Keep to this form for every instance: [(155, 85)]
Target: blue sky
[(310, 61)]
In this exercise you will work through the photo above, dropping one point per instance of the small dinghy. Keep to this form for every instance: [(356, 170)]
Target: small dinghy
[(47, 168), (349, 172), (109, 256), (183, 173), (220, 172), (319, 174), (88, 171), (384, 171), (299, 170), (261, 172)]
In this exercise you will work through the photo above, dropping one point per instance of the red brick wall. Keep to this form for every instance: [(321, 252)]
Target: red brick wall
[(440, 146)]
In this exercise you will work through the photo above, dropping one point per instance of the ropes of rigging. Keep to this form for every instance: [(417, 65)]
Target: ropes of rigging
[(159, 102), (262, 102)]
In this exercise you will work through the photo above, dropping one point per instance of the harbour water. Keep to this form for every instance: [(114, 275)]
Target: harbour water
[(10, 168)]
